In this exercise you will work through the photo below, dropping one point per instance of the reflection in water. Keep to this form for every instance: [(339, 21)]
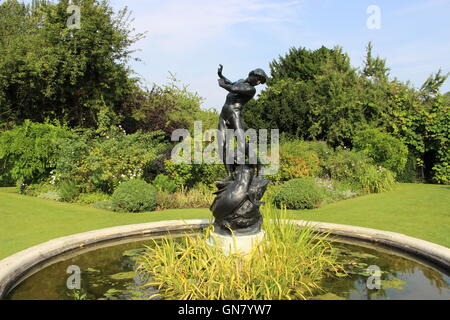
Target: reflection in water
[(401, 278), (107, 273)]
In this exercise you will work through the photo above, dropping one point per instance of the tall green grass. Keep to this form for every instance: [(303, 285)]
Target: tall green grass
[(288, 264)]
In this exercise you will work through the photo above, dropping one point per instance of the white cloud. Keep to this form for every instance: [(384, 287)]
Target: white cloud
[(180, 24)]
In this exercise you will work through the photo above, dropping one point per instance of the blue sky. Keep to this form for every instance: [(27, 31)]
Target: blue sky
[(190, 38)]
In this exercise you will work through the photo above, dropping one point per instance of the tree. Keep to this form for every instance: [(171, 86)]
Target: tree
[(313, 95), (166, 107), (374, 67), (48, 71), (317, 95)]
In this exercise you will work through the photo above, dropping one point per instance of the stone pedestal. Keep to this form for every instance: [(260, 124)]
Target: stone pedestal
[(235, 244)]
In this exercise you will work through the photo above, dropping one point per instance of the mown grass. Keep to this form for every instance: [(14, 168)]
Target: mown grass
[(417, 210), (27, 221)]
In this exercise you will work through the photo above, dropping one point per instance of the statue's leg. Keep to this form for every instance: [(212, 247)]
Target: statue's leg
[(235, 123), (221, 136)]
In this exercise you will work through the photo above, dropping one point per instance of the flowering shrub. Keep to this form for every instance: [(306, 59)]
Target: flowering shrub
[(101, 163), (358, 170)]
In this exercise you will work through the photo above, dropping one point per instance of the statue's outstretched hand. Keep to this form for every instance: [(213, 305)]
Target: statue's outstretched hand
[(219, 72)]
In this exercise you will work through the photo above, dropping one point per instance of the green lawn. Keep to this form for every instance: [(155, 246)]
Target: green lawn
[(418, 210)]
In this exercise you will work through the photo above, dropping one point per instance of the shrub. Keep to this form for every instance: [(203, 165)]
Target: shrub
[(164, 183), (92, 198), (104, 205), (6, 180), (356, 169), (29, 152), (297, 160), (376, 179), (134, 195), (100, 163), (409, 173), (50, 195), (441, 172), (345, 165), (186, 175), (198, 197), (35, 190), (386, 150), (68, 190), (337, 190), (302, 193)]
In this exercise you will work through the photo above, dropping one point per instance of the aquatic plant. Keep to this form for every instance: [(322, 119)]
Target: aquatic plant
[(288, 264)]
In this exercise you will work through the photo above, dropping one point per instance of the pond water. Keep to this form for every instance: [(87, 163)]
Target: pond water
[(107, 273)]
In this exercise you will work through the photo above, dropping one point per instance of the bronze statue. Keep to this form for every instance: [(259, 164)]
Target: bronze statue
[(236, 206)]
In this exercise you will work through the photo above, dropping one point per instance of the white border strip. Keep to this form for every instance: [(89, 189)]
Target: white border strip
[(14, 266)]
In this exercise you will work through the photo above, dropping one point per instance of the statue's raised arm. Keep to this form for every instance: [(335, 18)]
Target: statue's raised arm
[(219, 72)]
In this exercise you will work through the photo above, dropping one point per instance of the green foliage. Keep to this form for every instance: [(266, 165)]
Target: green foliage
[(68, 190), (345, 164), (357, 169), (36, 189), (50, 71), (92, 198), (199, 196), (50, 195), (374, 68), (134, 195), (299, 159), (438, 133), (337, 190), (376, 179), (100, 163), (409, 173), (186, 175), (386, 150), (288, 264), (317, 95), (29, 152), (313, 95), (104, 205), (164, 183), (167, 107), (299, 194)]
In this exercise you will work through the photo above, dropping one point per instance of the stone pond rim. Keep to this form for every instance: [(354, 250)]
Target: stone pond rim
[(13, 267)]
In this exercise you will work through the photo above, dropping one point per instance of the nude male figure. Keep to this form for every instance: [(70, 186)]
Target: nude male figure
[(240, 92)]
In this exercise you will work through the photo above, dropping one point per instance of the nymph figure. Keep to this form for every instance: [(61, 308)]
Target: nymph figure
[(240, 92)]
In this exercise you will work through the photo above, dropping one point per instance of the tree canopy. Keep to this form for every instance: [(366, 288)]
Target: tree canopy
[(48, 71), (318, 95)]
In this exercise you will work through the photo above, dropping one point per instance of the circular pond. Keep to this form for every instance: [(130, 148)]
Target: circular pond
[(107, 272)]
